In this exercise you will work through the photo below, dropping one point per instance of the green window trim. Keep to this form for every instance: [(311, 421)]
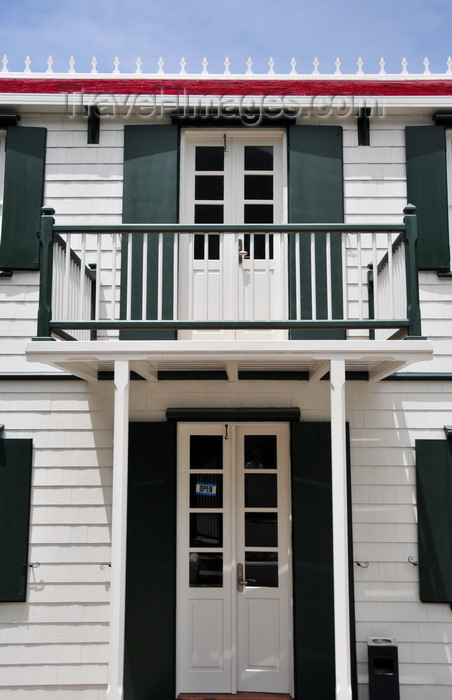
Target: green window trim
[(434, 505), (15, 489), (316, 195), (426, 174), (313, 568), (150, 642), (22, 197), (150, 196)]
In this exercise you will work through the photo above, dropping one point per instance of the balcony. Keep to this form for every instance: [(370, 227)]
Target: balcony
[(357, 279), (222, 290)]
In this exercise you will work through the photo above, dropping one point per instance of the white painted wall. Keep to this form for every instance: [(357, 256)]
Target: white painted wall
[(84, 186), (55, 645)]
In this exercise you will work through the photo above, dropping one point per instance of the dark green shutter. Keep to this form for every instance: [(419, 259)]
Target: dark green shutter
[(312, 531), (316, 195), (427, 189), (150, 197), (434, 504), (15, 484), (151, 563), (22, 197)]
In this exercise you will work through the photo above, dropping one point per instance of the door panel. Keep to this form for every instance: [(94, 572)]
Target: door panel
[(234, 576), (232, 177)]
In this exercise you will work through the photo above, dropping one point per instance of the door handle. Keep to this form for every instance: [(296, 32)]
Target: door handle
[(242, 253), (241, 582)]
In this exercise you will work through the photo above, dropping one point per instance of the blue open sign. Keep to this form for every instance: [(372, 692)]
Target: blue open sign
[(203, 489)]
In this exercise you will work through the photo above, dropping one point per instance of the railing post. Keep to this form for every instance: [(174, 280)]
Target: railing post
[(46, 273), (412, 278), (370, 294)]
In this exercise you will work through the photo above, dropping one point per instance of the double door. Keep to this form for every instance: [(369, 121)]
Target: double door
[(232, 177), (234, 630)]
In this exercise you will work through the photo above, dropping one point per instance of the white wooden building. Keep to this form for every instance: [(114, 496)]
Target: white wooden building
[(225, 385)]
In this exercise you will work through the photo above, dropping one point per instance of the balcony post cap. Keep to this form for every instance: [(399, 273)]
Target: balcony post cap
[(409, 209), (47, 211)]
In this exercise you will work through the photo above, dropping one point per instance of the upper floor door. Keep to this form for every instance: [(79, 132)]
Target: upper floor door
[(233, 177)]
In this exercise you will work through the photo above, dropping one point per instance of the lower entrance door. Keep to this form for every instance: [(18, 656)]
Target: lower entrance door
[(234, 622)]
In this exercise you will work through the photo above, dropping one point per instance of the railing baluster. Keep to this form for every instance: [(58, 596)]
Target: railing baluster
[(160, 278), (328, 276), (98, 276), (221, 280), (267, 272), (390, 278), (82, 279), (252, 298), (144, 278), (237, 271), (67, 276), (376, 285), (114, 290), (297, 277), (206, 276), (359, 274), (191, 273), (344, 275), (313, 279), (175, 276), (129, 278)]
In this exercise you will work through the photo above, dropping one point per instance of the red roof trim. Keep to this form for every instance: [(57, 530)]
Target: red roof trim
[(143, 86)]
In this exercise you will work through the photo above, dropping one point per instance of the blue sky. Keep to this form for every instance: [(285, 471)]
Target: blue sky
[(235, 28)]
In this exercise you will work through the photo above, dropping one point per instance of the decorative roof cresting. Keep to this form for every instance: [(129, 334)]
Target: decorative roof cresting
[(202, 70)]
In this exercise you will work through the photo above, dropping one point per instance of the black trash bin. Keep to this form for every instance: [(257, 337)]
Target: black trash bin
[(383, 660)]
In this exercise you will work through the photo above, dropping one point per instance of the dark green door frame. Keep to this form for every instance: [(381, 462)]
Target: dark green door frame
[(150, 638)]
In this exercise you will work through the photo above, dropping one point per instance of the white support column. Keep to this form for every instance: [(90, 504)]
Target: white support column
[(340, 531), (119, 531)]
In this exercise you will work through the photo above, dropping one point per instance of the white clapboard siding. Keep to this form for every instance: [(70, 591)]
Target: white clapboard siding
[(385, 534), (54, 646), (59, 638), (70, 526)]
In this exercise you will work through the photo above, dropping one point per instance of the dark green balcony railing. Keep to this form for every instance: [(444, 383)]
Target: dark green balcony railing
[(358, 280)]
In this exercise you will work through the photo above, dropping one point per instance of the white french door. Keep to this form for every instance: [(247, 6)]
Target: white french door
[(234, 623), (232, 177)]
